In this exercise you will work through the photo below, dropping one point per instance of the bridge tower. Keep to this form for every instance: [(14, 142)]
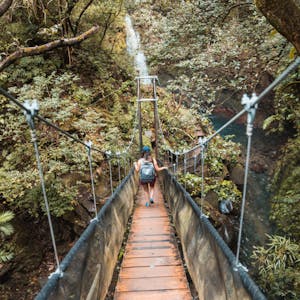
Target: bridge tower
[(148, 80)]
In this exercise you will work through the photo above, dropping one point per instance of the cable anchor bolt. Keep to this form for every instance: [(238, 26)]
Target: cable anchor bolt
[(240, 266), (251, 107), (58, 272), (202, 141), (31, 111), (88, 144)]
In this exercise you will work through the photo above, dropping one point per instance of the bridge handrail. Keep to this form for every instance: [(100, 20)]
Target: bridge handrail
[(53, 280), (250, 285)]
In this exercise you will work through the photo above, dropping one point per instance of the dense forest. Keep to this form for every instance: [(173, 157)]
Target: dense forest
[(71, 56)]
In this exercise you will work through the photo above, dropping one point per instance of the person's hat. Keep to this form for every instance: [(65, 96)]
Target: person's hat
[(146, 149)]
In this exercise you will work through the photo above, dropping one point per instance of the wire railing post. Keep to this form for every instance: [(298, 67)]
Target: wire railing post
[(89, 152), (31, 111), (108, 154), (125, 164), (176, 154), (202, 143), (184, 167), (119, 166), (250, 107), (184, 162)]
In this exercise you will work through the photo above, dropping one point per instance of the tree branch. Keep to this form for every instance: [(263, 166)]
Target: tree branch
[(4, 6), (233, 7), (80, 15), (30, 51)]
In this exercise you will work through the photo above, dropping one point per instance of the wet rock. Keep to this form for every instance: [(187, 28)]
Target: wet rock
[(212, 198), (225, 206), (258, 167), (237, 174), (226, 230)]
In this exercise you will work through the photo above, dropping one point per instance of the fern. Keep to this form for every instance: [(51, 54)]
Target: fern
[(5, 256)]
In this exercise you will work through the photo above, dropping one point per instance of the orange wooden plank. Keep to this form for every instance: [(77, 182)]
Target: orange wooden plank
[(151, 284), (150, 229), (150, 261), (149, 245), (139, 237), (153, 219), (151, 253), (145, 272), (154, 295)]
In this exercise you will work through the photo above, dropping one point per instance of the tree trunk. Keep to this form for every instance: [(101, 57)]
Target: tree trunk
[(284, 16), (4, 6)]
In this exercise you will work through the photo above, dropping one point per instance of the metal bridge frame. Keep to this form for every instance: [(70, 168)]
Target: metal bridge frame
[(140, 80)]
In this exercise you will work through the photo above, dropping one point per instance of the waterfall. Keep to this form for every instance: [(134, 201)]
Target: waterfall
[(134, 49)]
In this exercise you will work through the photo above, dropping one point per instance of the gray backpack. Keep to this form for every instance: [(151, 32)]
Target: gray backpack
[(147, 172)]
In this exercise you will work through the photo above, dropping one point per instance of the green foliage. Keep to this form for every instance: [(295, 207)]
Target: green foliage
[(192, 183), (207, 47), (279, 267), (286, 185), (5, 256), (287, 107), (225, 189), (6, 229), (62, 101), (220, 153)]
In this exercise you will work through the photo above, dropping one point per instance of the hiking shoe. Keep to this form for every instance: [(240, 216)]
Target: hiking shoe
[(151, 200), (147, 204)]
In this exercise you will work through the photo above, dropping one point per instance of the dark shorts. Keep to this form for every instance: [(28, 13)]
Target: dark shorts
[(152, 183)]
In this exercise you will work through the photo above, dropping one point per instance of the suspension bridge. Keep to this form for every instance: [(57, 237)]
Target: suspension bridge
[(153, 265)]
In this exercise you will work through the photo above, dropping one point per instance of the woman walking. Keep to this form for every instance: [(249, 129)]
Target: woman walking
[(147, 167)]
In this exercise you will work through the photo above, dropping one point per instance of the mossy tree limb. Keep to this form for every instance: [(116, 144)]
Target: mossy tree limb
[(30, 51)]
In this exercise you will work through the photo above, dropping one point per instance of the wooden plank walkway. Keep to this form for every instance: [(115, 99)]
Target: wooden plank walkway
[(151, 267)]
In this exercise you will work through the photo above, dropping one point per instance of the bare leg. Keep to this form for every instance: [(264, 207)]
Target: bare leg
[(151, 193), (146, 190)]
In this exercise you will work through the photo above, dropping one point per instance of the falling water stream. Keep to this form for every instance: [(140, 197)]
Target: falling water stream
[(134, 49)]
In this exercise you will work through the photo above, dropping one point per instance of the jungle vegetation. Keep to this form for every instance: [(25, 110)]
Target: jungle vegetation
[(71, 56)]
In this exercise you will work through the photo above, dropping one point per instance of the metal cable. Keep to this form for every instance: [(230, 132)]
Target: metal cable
[(30, 113), (119, 167), (243, 200), (42, 119), (202, 177), (280, 78), (110, 176), (134, 130)]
